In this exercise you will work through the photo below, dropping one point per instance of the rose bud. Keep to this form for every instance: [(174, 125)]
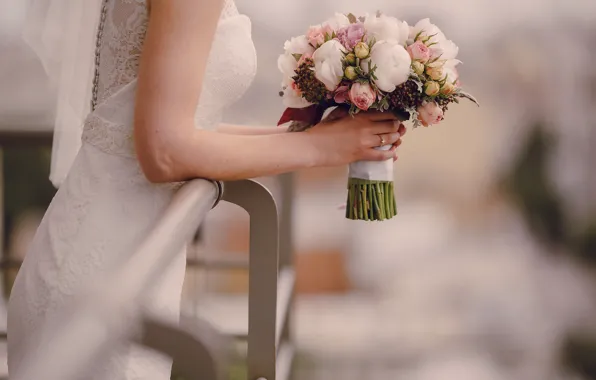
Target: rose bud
[(448, 88), (362, 51), (351, 59), (351, 73), (418, 67), (432, 88), (435, 72)]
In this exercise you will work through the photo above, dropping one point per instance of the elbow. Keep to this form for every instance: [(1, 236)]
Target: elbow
[(157, 168), (156, 160)]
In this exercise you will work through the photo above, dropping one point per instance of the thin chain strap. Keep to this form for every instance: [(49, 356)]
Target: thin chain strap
[(102, 23)]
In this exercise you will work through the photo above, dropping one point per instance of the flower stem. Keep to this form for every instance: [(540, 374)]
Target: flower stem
[(370, 200)]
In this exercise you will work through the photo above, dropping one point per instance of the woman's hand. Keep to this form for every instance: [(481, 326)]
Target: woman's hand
[(402, 131), (343, 139)]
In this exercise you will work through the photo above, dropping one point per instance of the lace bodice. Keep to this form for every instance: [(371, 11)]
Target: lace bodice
[(230, 69)]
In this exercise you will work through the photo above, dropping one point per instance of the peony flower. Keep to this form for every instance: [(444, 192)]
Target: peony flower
[(432, 88), (328, 61), (317, 35), (292, 97), (430, 113), (362, 95), (362, 50), (392, 63), (341, 94), (287, 62), (419, 52), (350, 35), (386, 28), (337, 22), (418, 67), (351, 73), (451, 74), (426, 32), (298, 45), (447, 50)]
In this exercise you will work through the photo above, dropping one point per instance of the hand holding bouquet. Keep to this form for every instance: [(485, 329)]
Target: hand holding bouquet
[(369, 63)]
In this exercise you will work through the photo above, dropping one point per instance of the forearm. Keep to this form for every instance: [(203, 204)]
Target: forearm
[(234, 129), (220, 156)]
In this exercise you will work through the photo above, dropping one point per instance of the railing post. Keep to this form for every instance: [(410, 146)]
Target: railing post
[(286, 243), (263, 273)]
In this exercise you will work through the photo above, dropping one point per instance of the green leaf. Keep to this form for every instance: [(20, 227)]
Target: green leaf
[(418, 35), (297, 57), (465, 95), (352, 18)]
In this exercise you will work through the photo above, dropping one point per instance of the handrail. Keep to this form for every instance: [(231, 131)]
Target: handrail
[(271, 287), (97, 321)]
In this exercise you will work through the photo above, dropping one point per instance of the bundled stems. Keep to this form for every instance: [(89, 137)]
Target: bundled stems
[(370, 200)]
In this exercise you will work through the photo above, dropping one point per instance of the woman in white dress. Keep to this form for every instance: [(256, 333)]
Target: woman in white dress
[(165, 70)]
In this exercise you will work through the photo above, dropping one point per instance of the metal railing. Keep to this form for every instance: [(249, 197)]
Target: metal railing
[(271, 287)]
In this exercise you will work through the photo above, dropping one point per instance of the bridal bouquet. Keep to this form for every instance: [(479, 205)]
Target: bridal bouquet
[(374, 62)]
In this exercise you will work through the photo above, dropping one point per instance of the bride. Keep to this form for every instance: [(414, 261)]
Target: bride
[(148, 81)]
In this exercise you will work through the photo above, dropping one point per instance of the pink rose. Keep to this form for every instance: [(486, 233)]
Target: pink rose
[(430, 113), (350, 35), (316, 34), (419, 52), (362, 95), (341, 94)]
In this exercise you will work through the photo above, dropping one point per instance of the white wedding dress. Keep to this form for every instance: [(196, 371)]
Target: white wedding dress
[(105, 207)]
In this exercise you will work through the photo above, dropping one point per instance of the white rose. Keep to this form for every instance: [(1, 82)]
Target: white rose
[(338, 21), (425, 29), (393, 64), (328, 61), (298, 45), (386, 28)]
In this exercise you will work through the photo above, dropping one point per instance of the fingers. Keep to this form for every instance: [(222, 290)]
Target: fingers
[(387, 139), (402, 129), (378, 155), (377, 116), (383, 127), (336, 114)]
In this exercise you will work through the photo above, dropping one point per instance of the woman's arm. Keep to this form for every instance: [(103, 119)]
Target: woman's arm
[(234, 129), (170, 148)]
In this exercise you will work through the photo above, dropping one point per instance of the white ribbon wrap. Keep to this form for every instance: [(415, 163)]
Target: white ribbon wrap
[(372, 170)]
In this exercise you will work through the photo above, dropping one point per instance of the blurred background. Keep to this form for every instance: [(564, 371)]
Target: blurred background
[(487, 273)]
